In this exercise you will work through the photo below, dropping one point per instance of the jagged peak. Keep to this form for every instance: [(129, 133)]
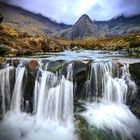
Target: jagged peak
[(84, 17)]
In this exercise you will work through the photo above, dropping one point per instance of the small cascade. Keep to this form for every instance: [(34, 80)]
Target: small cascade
[(17, 93), (54, 96), (111, 88), (5, 88), (110, 83)]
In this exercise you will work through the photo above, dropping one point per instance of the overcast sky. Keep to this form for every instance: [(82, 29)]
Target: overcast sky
[(68, 11)]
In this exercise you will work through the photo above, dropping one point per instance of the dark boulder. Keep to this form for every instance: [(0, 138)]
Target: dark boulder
[(32, 65), (80, 74), (135, 73), (16, 62), (28, 91)]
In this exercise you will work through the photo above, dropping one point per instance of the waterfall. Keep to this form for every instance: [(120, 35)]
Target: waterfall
[(17, 93), (110, 83), (52, 116), (112, 87), (54, 96), (108, 88)]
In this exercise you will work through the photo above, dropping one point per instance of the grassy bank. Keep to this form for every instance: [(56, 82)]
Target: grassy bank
[(16, 43)]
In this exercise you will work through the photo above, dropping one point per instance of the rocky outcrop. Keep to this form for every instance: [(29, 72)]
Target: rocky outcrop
[(83, 28)]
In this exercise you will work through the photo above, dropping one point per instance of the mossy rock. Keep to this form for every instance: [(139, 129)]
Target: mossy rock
[(55, 66)]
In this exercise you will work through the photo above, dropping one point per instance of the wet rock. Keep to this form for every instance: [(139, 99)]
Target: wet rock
[(16, 62), (55, 66), (120, 65), (28, 90), (135, 73), (80, 74), (79, 70), (32, 65), (2, 60)]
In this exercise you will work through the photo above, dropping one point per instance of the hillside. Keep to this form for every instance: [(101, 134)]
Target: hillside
[(25, 21), (36, 24)]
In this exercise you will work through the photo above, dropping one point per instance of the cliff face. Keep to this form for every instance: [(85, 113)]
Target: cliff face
[(83, 28)]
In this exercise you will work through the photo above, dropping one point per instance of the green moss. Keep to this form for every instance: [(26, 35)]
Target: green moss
[(56, 68)]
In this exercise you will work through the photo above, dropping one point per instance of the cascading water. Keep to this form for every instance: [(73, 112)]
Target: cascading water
[(5, 87), (108, 112), (17, 93), (108, 89), (53, 109)]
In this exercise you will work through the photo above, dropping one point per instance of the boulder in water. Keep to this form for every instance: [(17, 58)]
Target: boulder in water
[(120, 65), (55, 66), (16, 62), (32, 65), (79, 71)]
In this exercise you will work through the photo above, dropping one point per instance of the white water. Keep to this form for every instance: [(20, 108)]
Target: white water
[(53, 115), (53, 110), (17, 92), (110, 112), (5, 87), (113, 116)]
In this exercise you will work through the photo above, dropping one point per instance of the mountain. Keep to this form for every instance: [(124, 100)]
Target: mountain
[(25, 21), (85, 27), (120, 25), (36, 24)]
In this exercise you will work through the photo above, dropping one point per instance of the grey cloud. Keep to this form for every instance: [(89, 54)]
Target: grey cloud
[(65, 10), (113, 8)]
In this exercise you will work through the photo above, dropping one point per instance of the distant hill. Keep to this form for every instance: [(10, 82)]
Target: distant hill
[(36, 24), (31, 23)]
